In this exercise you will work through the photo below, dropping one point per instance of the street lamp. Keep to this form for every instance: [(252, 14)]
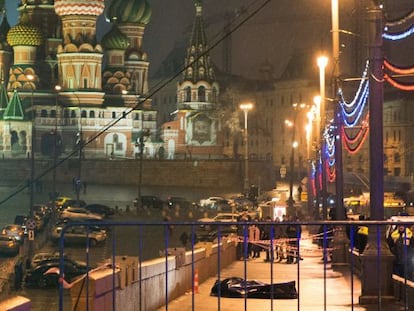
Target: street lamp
[(294, 145), (32, 168), (79, 144), (58, 88), (322, 62), (246, 107), (32, 142)]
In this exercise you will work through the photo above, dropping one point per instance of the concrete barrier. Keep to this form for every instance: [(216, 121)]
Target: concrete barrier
[(147, 286), (403, 291), (16, 303)]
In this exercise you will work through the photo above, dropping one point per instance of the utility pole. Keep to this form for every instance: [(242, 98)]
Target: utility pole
[(377, 270)]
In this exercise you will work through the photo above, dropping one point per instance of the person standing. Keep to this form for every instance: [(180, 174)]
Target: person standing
[(293, 232), (268, 235), (401, 243), (254, 236)]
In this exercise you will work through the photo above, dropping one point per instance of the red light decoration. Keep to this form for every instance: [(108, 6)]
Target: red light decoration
[(398, 70), (398, 85)]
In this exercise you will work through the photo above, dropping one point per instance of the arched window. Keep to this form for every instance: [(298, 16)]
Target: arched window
[(43, 113), (92, 114), (83, 114), (73, 114), (66, 113), (187, 94), (150, 117), (201, 94), (113, 115), (53, 113)]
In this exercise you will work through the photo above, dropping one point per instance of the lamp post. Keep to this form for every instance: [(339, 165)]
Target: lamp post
[(32, 153), (246, 107), (309, 133), (322, 61), (58, 88), (292, 124), (79, 144), (32, 168)]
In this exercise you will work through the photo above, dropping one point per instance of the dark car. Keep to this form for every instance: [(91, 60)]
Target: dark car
[(9, 245), (21, 220), (46, 273), (100, 209), (73, 203), (151, 201), (173, 202)]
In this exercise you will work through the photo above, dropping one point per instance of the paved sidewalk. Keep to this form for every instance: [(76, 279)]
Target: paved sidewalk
[(315, 292)]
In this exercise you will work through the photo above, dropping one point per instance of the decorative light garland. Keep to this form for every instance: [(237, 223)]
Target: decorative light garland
[(398, 36), (401, 21), (398, 70), (398, 85), (351, 119)]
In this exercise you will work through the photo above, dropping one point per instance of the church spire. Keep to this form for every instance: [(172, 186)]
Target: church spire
[(198, 64)]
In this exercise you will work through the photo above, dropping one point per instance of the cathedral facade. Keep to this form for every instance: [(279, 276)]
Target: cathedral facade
[(61, 90)]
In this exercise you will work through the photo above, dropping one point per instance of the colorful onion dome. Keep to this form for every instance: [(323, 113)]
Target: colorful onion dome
[(129, 11), (24, 34), (115, 40), (79, 7)]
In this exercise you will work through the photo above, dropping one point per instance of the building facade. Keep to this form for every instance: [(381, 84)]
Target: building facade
[(71, 89)]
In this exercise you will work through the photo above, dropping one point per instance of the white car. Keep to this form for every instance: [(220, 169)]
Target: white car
[(210, 201), (78, 214), (220, 217), (79, 234)]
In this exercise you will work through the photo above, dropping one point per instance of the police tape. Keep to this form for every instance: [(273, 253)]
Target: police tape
[(291, 244)]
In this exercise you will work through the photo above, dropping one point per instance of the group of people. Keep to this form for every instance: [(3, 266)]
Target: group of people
[(279, 241), (401, 243)]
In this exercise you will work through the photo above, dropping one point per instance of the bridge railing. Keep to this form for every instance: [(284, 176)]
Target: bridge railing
[(358, 245)]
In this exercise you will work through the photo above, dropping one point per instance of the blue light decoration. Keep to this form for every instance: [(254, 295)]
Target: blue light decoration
[(398, 36)]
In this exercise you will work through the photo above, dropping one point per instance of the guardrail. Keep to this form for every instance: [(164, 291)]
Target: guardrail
[(125, 283)]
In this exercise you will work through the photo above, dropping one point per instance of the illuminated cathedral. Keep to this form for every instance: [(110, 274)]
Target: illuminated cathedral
[(60, 88)]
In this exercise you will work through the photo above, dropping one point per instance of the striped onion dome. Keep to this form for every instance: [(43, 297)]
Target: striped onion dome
[(79, 7), (129, 11), (24, 34), (115, 40)]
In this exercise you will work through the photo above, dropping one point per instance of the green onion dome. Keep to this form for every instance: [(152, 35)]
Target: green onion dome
[(129, 11), (115, 40), (24, 34)]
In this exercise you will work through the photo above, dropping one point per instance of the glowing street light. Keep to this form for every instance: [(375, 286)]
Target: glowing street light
[(246, 107)]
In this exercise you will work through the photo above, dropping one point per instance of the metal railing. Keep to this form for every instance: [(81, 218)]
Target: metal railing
[(356, 254)]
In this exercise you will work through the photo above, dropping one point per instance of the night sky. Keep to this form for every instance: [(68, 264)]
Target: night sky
[(274, 34)]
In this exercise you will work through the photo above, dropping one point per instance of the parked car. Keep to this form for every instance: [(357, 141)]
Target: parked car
[(173, 202), (73, 203), (60, 201), (220, 217), (43, 277), (21, 220), (151, 201), (9, 245), (79, 234), (43, 211), (39, 257), (100, 209), (209, 202), (78, 214), (15, 231)]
